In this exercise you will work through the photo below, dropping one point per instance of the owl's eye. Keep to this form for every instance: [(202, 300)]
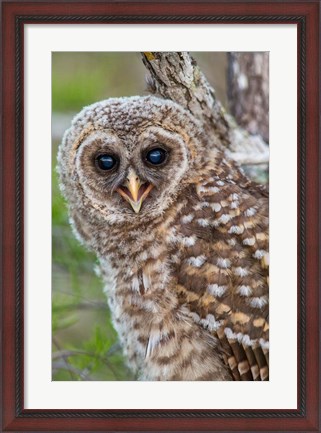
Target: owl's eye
[(106, 162), (156, 156)]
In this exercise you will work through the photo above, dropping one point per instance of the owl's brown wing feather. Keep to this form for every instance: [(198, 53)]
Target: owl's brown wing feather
[(223, 274)]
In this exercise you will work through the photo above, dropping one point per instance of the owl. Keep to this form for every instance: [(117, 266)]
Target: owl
[(181, 237)]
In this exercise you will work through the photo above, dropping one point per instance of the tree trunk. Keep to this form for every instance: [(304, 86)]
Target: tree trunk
[(248, 91)]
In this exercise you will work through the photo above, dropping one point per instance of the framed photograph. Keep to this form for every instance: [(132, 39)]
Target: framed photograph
[(62, 365)]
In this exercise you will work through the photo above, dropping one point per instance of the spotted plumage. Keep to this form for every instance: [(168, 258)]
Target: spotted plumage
[(181, 236)]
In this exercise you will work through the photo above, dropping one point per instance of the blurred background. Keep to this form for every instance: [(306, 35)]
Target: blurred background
[(84, 343)]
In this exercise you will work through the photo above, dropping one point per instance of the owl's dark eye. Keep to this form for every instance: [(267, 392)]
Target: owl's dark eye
[(156, 156), (106, 162)]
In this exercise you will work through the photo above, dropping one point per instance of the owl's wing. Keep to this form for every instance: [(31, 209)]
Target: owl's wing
[(223, 273)]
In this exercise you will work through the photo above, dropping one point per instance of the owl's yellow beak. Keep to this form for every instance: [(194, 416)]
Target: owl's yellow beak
[(134, 191)]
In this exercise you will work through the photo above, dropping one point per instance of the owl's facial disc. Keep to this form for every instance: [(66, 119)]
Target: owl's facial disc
[(134, 190)]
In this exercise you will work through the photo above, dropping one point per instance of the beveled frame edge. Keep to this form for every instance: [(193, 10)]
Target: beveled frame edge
[(15, 15)]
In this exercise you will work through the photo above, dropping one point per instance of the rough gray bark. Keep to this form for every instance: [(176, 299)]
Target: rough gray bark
[(248, 91), (176, 76)]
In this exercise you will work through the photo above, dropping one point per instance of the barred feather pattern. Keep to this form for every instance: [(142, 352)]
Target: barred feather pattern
[(187, 277)]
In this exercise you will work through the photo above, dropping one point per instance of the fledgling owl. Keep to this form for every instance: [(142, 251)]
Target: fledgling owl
[(181, 236)]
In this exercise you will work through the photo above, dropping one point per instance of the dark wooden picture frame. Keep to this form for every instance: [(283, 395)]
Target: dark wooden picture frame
[(306, 15)]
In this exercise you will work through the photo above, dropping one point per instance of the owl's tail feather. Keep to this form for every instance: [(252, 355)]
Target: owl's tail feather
[(245, 362)]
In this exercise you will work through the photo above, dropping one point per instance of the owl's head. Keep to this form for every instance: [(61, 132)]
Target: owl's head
[(129, 158)]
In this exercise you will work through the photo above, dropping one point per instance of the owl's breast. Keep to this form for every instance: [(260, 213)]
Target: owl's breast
[(160, 337)]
